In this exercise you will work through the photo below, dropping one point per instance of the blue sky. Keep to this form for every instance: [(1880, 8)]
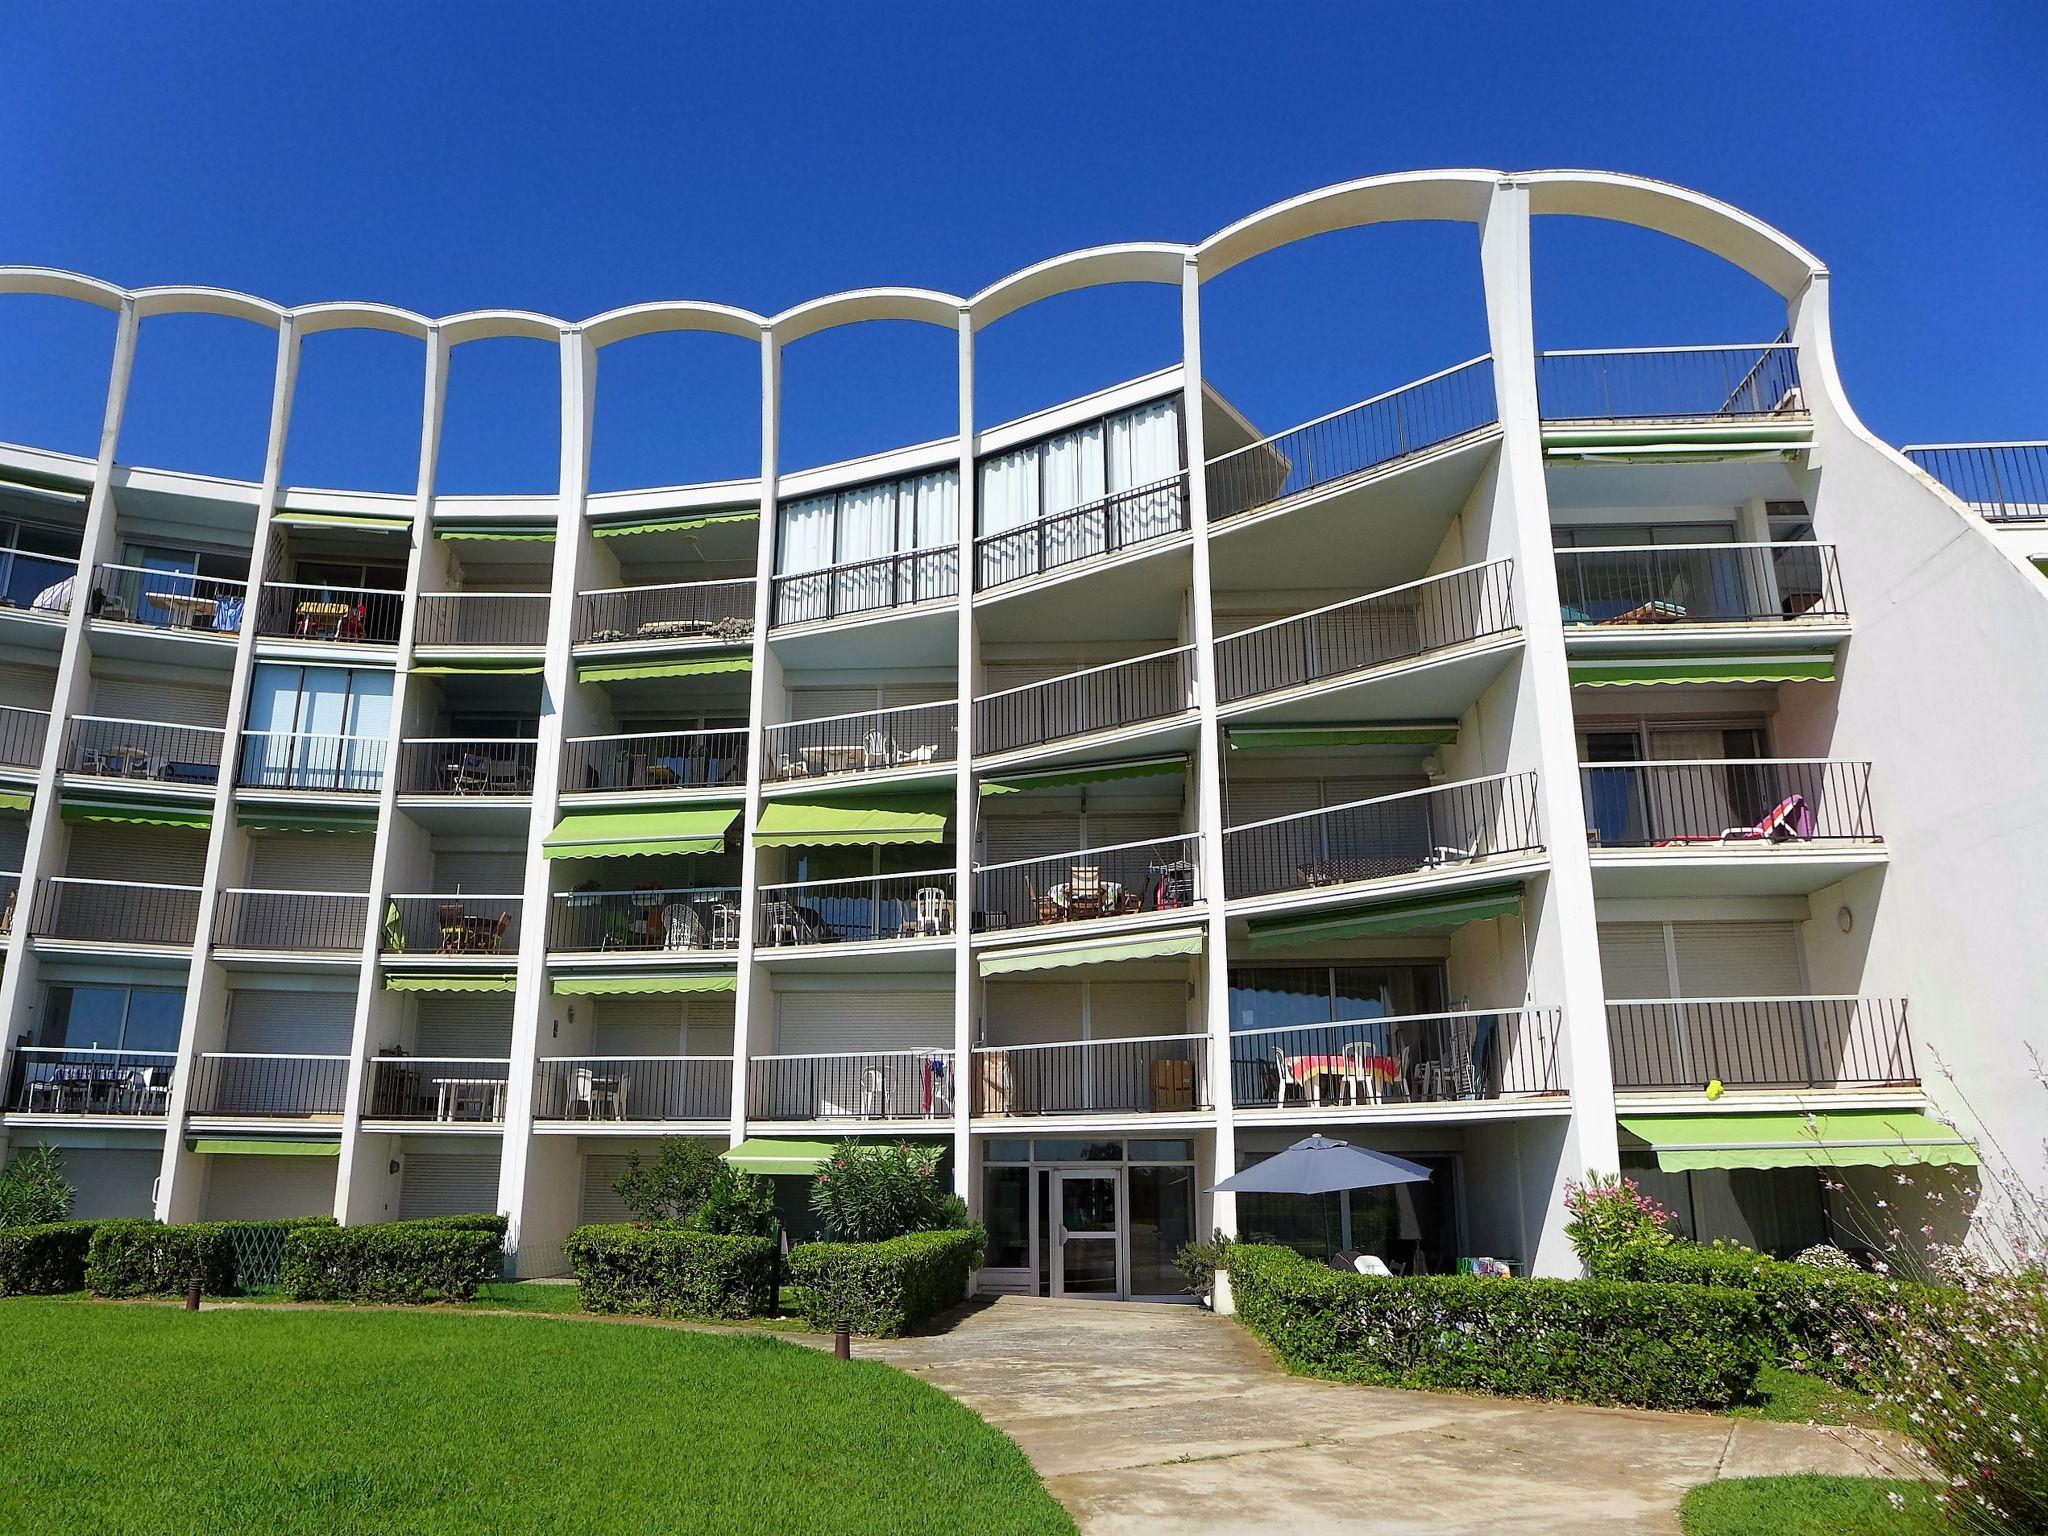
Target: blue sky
[(575, 158)]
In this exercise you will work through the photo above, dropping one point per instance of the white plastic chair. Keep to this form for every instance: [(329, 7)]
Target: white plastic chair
[(931, 910), (873, 1099), (582, 1093)]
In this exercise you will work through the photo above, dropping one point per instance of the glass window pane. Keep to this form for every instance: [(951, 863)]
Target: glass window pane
[(83, 1017), (1162, 1219), (1008, 1152), (1309, 1224), (1006, 1212), (1078, 1151), (1162, 1151), (1279, 996), (154, 1015)]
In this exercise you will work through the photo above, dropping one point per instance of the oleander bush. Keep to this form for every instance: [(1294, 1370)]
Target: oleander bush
[(883, 1288), (1589, 1341), (397, 1261), (33, 1190), (670, 1271), (44, 1259)]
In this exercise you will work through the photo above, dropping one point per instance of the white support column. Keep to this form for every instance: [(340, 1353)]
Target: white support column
[(965, 807)]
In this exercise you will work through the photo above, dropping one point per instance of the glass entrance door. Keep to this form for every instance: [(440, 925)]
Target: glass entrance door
[(1087, 1257)]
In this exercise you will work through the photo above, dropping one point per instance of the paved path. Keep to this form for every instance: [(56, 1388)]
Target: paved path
[(1147, 1418)]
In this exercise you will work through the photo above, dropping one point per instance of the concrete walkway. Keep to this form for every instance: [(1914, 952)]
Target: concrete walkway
[(1146, 1418)]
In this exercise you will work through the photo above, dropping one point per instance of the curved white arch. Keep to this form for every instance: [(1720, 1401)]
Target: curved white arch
[(926, 306), (1400, 197), (1092, 268), (676, 315), (207, 301), (53, 282), (491, 324), (312, 319)]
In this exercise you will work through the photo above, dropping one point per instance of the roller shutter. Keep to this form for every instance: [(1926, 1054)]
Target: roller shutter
[(13, 841), (451, 1024), (819, 1023), (291, 1023), (1006, 838), (601, 1203), (310, 861), (1633, 963), (448, 1184), (818, 703), (27, 687), (1756, 959), (1031, 1012), (110, 1181), (1115, 831), (153, 855), (1132, 1008), (123, 698), (269, 1188), (1249, 800), (484, 874)]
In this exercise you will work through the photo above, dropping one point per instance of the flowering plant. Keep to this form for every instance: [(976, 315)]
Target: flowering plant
[(868, 1194), (1608, 1212)]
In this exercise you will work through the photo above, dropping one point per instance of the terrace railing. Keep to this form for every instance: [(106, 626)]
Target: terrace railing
[(317, 611), (299, 760), (1109, 697), (1657, 584), (852, 1085), (1727, 803), (261, 1085), (1475, 1055), (449, 1089), (673, 920), (684, 610), (297, 922), (656, 760), (22, 733), (1105, 527), (1760, 1042), (863, 909), (135, 594), (109, 748), (82, 1080), (38, 582), (867, 586), (451, 925), (481, 618), (661, 1089), (1116, 880), (1732, 383), (867, 741), (457, 765), (1154, 1074), (115, 911), (2003, 482)]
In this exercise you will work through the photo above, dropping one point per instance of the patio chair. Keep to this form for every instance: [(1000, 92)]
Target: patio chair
[(1287, 1079), (615, 1096), (1043, 908), (874, 1098), (582, 1093), (491, 940), (876, 752), (1359, 1082), (931, 912), (454, 925), (48, 1089), (783, 925), (501, 776), (470, 774), (1790, 817), (1084, 891), (681, 927), (725, 927)]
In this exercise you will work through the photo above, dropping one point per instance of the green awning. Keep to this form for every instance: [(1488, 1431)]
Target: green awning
[(17, 480), (1450, 910), (498, 532), (629, 834), (1667, 436), (1061, 957), (138, 814), (266, 820), (848, 822), (686, 666), (482, 666), (263, 1146), (1863, 1138), (17, 800), (361, 522), (672, 985), (1609, 671), (671, 523), (490, 981), (1093, 773), (771, 1154), (1409, 733)]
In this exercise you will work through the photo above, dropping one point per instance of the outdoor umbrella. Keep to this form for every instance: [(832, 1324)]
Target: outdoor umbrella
[(1317, 1165)]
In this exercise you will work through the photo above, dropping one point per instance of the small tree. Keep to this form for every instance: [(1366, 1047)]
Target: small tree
[(1608, 1212), (674, 1187), (32, 1189), (737, 1205), (867, 1194)]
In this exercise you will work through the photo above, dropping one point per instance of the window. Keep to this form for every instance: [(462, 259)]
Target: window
[(317, 728), (1412, 1228), (113, 1018), (25, 564), (1635, 535), (1290, 996), (1081, 466), (832, 551)]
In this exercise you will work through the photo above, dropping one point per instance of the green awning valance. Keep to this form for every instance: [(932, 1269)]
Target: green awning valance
[(482, 666), (266, 820), (1093, 773), (630, 834), (1451, 910), (361, 522), (1411, 733), (1061, 957), (671, 985), (138, 814), (1665, 436), (841, 821), (1611, 671), (1837, 1139), (772, 1154), (16, 480), (488, 981), (669, 522), (17, 800), (262, 1146), (684, 666), (498, 532)]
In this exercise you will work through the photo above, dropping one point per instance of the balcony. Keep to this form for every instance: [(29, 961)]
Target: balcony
[(852, 1085), (1671, 1046), (1442, 829), (1635, 591), (22, 733), (1349, 443), (445, 1090), (1736, 384), (1149, 1075), (105, 747), (867, 586), (35, 582), (291, 922), (863, 910), (2001, 482), (63, 1080), (721, 611), (659, 760), (451, 925), (115, 912), (10, 899), (174, 600), (1403, 623), (1115, 696), (316, 764), (1119, 880), (1127, 520), (679, 920), (1727, 803), (459, 766), (241, 1085), (337, 615), (1471, 1057), (505, 619), (664, 1090), (870, 741)]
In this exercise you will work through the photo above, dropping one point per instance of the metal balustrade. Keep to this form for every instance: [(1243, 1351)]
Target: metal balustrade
[(852, 1085), (1399, 624), (82, 1080), (1670, 383), (1648, 585), (683, 610), (451, 925), (481, 618), (1474, 1055), (1381, 430), (267, 1086), (866, 741), (1727, 803), (319, 611), (109, 748), (674, 920), (22, 733), (867, 586), (1115, 523), (351, 765), (134, 594), (1103, 698), (458, 765), (659, 1089), (114, 911), (36, 582), (656, 760), (1152, 1074), (296, 922), (1760, 1042), (447, 1089), (863, 909), (1115, 880), (2002, 482), (1440, 828)]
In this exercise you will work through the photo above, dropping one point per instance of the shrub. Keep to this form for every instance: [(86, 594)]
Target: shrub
[(738, 1204), (1198, 1262), (671, 1271), (1608, 1211), (1824, 1256), (675, 1185), (883, 1288), (399, 1261), (482, 1221), (46, 1259), (1591, 1341), (32, 1189), (868, 1194), (153, 1258)]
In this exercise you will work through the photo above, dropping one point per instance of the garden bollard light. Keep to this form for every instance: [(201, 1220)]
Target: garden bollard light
[(192, 1297), (842, 1342)]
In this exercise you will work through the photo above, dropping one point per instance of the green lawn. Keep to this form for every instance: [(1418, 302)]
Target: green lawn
[(130, 1419), (1800, 1397), (1808, 1506)]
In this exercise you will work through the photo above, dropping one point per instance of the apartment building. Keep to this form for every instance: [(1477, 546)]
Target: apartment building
[(1566, 760)]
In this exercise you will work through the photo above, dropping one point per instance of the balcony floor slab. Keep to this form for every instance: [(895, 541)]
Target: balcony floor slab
[(1773, 870), (1422, 882), (1454, 1112), (1763, 637), (933, 954), (1439, 686)]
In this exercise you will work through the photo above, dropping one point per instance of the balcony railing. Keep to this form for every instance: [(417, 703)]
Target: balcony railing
[(482, 618), (1155, 1074), (1670, 383), (1105, 698), (867, 586), (448, 1089), (1398, 624), (297, 922), (684, 610), (2003, 482), (40, 583), (853, 1085), (655, 760), (1761, 1042), (65, 1080), (259, 1085), (316, 611), (1433, 1058), (22, 732), (110, 748), (134, 594), (457, 765), (1117, 880), (863, 909), (869, 741), (1401, 834), (1382, 430), (451, 925), (677, 920), (639, 1088), (1699, 584), (1727, 803), (351, 765), (1123, 521), (115, 912)]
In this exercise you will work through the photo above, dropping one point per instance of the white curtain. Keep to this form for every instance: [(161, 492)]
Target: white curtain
[(1073, 478), (867, 531), (806, 536), (1009, 490), (936, 528), (1144, 448)]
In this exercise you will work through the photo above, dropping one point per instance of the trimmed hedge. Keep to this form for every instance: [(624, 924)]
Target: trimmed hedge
[(671, 1271), (47, 1259), (395, 1261), (883, 1288), (1588, 1341), (153, 1258), (481, 1221)]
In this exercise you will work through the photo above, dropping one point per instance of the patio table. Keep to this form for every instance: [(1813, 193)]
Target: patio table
[(186, 607), (449, 1093)]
